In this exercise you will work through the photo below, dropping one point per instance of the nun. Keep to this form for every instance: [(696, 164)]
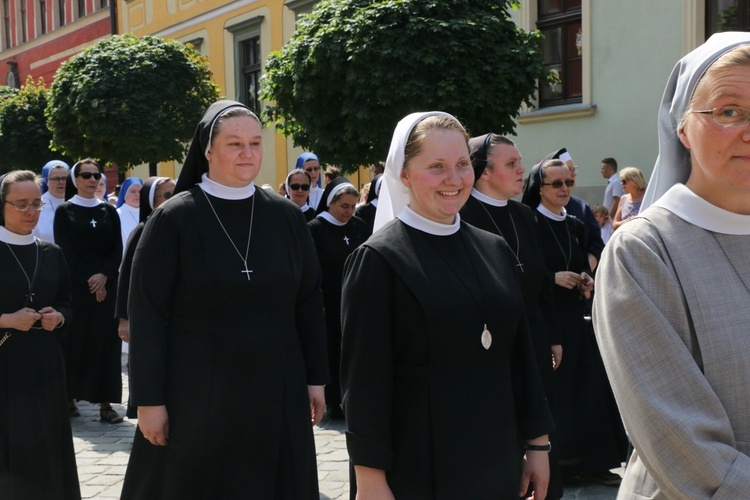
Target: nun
[(336, 233), (449, 342), (88, 231), (128, 206), (297, 186), (54, 175), (227, 332), (366, 212), (674, 336), (309, 163)]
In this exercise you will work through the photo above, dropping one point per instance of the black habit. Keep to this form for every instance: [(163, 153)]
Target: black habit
[(37, 459), (230, 357), (91, 241), (333, 244), (424, 400)]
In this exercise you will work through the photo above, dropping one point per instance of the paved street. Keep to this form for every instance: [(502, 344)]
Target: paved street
[(102, 454)]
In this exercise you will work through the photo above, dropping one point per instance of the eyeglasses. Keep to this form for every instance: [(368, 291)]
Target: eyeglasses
[(166, 195), (557, 184), (89, 175), (727, 116), (312, 169), (297, 187), (22, 207), (56, 179)]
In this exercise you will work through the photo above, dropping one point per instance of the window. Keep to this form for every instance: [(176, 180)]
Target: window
[(103, 4), (6, 24), (60, 13), (727, 15), (560, 23), (248, 61), (24, 33), (42, 17), (81, 8)]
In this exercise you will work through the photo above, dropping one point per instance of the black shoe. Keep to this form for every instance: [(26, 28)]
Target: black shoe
[(110, 416), (335, 412), (606, 478)]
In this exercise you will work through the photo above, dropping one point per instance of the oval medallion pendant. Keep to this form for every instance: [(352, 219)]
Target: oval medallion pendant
[(486, 338)]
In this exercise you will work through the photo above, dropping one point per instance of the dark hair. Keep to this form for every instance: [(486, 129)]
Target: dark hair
[(611, 162), (8, 180), (332, 172), (70, 188), (345, 190), (298, 171)]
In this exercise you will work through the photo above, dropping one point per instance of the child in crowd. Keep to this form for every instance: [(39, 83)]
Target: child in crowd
[(602, 217)]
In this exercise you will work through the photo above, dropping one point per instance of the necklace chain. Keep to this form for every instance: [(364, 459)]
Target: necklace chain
[(567, 257), (36, 266), (249, 233), (515, 231)]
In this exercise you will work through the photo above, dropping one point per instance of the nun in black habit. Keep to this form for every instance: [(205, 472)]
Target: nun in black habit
[(336, 233), (439, 385), (367, 211), (227, 333), (88, 231)]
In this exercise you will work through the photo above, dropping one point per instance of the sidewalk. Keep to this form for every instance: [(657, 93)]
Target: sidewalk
[(102, 452)]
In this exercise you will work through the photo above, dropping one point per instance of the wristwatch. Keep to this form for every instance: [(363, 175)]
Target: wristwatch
[(539, 447)]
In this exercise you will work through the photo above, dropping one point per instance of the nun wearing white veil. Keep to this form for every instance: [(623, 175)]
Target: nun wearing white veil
[(449, 343), (673, 329)]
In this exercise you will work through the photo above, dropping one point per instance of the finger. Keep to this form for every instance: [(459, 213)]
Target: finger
[(524, 484)]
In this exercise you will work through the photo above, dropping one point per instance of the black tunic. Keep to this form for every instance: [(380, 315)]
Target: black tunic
[(424, 400), (230, 358), (309, 214), (589, 430), (333, 244), (37, 459), (92, 347), (517, 224), (366, 212)]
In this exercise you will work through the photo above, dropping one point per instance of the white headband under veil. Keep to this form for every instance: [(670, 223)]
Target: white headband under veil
[(394, 196), (673, 163)]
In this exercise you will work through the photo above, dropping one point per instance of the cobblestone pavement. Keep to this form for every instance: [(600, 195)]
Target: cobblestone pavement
[(102, 452)]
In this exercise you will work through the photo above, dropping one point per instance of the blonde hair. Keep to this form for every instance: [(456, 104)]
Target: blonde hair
[(635, 175), (422, 129)]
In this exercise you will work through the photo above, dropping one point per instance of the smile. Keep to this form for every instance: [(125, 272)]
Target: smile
[(448, 193)]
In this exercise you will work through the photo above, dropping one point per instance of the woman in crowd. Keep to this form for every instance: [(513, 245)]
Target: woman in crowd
[(634, 185), (54, 174), (367, 211), (498, 175), (128, 206), (88, 231), (309, 163), (227, 333), (101, 189), (674, 337), (449, 342), (336, 233), (602, 218), (297, 185), (37, 459), (590, 435)]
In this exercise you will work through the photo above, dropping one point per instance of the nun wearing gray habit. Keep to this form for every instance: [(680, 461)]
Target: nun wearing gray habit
[(227, 335)]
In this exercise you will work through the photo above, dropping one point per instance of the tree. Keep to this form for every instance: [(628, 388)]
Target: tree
[(354, 68), (130, 100), (24, 136)]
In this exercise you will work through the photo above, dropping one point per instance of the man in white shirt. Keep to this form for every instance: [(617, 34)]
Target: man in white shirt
[(613, 192)]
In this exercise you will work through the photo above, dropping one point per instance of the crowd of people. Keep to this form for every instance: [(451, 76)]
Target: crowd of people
[(456, 287)]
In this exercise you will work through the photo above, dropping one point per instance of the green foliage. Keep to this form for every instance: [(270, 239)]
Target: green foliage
[(130, 100), (24, 137), (354, 68)]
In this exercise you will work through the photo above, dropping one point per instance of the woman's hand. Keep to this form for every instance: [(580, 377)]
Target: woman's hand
[(123, 330), (21, 320), (557, 353), (585, 285), (97, 283), (50, 318), (371, 484), (317, 396), (154, 424), (567, 279), (535, 469)]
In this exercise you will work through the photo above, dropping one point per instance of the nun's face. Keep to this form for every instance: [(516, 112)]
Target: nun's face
[(720, 156), (440, 177), (133, 197), (554, 199), (505, 180), (18, 193), (56, 181), (101, 189), (342, 208), (163, 192), (87, 187), (299, 195), (236, 153), (312, 167)]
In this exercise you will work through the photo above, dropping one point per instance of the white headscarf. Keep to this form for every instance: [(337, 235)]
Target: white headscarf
[(673, 163), (394, 196)]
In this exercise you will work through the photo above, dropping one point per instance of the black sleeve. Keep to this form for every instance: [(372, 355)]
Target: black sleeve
[(64, 302), (61, 228), (123, 283), (112, 261), (595, 243)]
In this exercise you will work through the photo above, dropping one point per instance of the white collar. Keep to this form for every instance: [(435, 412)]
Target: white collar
[(12, 238), (217, 190), (85, 202), (690, 207), (316, 188), (488, 199), (550, 214), (413, 219), (374, 202), (305, 207), (330, 218), (127, 208), (49, 198)]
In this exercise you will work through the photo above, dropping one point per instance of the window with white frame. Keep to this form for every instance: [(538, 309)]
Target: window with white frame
[(560, 23), (248, 62)]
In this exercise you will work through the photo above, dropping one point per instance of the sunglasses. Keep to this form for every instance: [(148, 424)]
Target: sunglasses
[(166, 195), (297, 187), (89, 175), (557, 184)]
